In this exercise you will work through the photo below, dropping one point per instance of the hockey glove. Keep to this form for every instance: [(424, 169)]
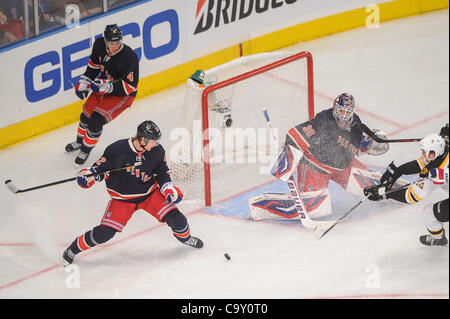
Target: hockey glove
[(375, 192), (101, 86), (391, 175), (439, 176), (85, 181), (172, 193), (82, 87), (370, 146)]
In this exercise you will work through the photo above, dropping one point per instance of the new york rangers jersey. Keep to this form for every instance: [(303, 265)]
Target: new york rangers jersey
[(326, 147), (137, 183), (122, 67)]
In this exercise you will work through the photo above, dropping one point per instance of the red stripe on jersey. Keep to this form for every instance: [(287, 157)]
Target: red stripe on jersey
[(313, 160), (93, 65), (128, 88), (298, 139), (81, 243)]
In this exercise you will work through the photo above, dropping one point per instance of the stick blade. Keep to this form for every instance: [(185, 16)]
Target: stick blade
[(324, 228), (11, 186)]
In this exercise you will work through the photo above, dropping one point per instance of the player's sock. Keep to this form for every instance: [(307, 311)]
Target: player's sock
[(89, 142), (81, 132), (180, 227), (99, 235)]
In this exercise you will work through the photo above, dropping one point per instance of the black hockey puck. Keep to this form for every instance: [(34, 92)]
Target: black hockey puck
[(227, 256)]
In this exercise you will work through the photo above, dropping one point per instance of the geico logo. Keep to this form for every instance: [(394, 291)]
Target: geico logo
[(231, 10), (43, 77)]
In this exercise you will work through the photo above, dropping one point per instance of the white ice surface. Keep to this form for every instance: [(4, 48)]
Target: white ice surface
[(399, 76)]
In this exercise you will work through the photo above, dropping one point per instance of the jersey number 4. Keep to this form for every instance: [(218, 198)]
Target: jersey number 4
[(130, 76)]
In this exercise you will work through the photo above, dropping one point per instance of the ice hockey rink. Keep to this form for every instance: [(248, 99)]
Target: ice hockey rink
[(398, 74)]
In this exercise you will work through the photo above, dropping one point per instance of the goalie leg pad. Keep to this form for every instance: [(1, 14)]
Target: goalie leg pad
[(359, 179), (286, 163), (272, 206), (281, 206)]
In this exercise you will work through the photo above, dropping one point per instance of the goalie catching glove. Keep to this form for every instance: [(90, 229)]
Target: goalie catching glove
[(172, 193), (370, 146), (87, 181)]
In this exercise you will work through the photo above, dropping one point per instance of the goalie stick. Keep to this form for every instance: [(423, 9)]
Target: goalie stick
[(295, 194), (13, 188), (369, 132), (359, 203)]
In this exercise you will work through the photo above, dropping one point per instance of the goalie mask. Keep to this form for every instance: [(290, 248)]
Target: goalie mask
[(432, 143), (343, 108)]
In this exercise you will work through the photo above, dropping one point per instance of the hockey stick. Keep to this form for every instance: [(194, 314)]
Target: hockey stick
[(295, 193), (13, 188), (369, 132), (359, 203)]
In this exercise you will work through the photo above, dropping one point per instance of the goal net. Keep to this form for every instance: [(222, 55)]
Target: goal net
[(224, 125)]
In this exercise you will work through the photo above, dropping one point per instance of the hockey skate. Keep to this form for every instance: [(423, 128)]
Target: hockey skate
[(193, 242), (430, 240), (68, 257), (72, 147), (81, 158)]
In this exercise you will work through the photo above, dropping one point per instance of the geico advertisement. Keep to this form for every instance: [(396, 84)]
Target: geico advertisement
[(42, 73)]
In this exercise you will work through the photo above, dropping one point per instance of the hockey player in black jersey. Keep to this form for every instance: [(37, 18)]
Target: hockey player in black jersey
[(432, 168), (147, 185), (112, 75), (322, 149)]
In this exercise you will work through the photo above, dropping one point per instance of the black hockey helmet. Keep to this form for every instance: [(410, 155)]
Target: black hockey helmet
[(112, 33), (149, 130)]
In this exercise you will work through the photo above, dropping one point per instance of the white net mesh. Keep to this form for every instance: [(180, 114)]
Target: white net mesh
[(238, 132)]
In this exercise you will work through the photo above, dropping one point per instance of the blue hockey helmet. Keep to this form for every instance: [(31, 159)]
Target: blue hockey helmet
[(343, 108)]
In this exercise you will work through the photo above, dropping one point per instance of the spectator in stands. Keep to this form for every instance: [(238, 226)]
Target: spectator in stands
[(93, 6), (116, 3), (58, 9), (11, 29), (46, 18)]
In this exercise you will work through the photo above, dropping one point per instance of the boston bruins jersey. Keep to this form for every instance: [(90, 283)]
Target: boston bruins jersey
[(416, 192), (122, 68)]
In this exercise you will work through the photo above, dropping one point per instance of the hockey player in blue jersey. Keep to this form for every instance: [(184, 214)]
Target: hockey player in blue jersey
[(147, 185), (110, 84)]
